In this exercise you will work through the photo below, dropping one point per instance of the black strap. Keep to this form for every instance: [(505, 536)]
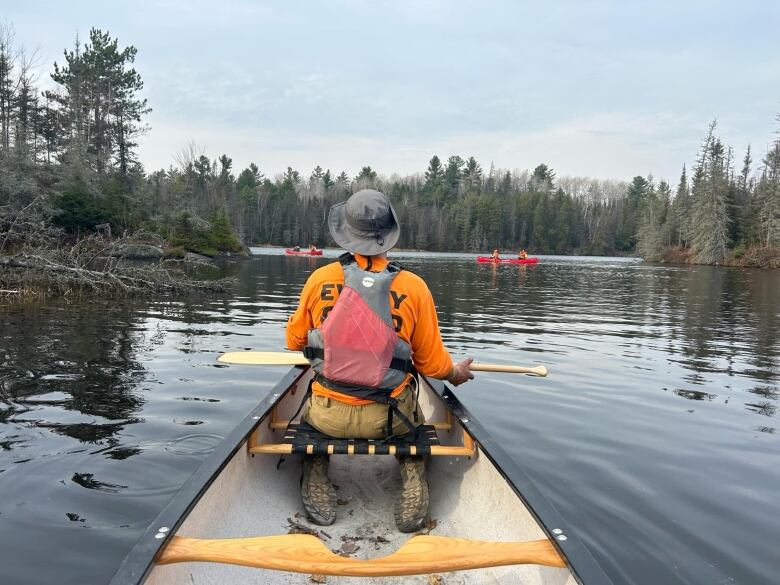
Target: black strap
[(393, 410), (294, 416), (380, 395), (374, 394), (346, 258), (317, 353)]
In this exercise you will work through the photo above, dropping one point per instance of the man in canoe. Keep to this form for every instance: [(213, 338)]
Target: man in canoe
[(495, 255), (312, 248), (522, 254), (366, 325)]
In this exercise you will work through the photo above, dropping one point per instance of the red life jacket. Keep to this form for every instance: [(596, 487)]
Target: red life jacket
[(356, 350)]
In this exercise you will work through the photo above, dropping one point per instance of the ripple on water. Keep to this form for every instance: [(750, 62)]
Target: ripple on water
[(194, 444)]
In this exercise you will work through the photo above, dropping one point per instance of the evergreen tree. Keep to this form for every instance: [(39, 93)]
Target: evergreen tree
[(543, 179), (327, 181), (472, 175), (632, 208), (434, 182), (453, 175), (366, 179), (681, 211), (711, 217), (650, 237), (98, 100), (768, 196)]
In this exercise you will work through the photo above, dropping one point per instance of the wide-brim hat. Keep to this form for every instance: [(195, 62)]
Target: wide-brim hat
[(365, 224)]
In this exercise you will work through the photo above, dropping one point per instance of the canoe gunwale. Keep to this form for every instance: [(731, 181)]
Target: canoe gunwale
[(140, 560)]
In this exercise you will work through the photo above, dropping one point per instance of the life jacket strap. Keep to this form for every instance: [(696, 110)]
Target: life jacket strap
[(405, 366), (373, 394), (380, 395), (346, 258), (393, 410)]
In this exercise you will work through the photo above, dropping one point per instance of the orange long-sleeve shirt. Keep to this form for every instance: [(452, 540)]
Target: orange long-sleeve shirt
[(411, 306)]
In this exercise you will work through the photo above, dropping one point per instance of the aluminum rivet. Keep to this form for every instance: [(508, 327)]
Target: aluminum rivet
[(159, 535), (464, 419), (557, 531), (255, 418), (561, 537), (276, 395), (163, 529)]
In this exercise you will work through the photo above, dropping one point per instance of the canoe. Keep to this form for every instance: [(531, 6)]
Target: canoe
[(291, 252), (229, 522), (530, 260)]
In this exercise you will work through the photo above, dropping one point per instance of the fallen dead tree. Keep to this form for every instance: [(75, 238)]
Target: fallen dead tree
[(33, 272), (37, 259)]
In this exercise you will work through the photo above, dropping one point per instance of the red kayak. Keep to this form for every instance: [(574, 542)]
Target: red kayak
[(291, 252), (507, 260)]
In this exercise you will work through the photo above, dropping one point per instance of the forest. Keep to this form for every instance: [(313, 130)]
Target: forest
[(69, 168)]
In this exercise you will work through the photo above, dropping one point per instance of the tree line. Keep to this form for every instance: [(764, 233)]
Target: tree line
[(73, 150), (717, 211)]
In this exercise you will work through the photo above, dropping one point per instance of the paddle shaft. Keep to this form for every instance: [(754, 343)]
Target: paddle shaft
[(535, 371), (293, 358)]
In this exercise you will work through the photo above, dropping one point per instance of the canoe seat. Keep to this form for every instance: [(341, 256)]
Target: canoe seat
[(303, 439)]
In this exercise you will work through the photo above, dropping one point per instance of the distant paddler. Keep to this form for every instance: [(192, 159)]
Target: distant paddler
[(496, 255)]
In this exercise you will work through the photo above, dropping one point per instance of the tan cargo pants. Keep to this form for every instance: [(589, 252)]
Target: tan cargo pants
[(344, 421)]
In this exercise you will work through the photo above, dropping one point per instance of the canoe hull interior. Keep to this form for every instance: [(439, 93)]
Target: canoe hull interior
[(251, 497)]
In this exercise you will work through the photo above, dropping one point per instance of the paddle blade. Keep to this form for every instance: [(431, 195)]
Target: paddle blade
[(264, 358)]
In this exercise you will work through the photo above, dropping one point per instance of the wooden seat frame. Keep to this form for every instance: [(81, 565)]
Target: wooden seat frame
[(255, 447)]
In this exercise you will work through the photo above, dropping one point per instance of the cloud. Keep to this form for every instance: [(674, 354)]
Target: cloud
[(616, 145)]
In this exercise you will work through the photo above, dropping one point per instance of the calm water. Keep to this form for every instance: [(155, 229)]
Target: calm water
[(655, 434)]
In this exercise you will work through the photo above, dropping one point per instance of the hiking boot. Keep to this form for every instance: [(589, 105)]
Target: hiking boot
[(317, 493), (411, 507)]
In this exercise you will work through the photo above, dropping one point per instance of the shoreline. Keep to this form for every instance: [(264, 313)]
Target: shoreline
[(756, 257)]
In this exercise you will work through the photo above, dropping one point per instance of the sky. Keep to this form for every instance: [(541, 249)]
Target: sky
[(608, 89)]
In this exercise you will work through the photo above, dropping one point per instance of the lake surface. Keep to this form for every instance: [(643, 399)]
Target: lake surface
[(655, 434)]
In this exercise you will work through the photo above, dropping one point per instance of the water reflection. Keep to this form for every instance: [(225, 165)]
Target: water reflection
[(107, 407)]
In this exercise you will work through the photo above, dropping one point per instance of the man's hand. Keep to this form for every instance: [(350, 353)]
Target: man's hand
[(461, 372)]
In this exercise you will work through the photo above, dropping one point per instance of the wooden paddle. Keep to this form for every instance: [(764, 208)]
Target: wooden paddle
[(304, 553), (295, 358)]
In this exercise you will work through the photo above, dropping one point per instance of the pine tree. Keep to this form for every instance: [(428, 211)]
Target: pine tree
[(650, 236), (453, 175), (472, 175), (433, 189), (98, 99), (710, 207), (366, 179), (633, 206), (327, 181), (768, 194), (543, 179), (681, 211)]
